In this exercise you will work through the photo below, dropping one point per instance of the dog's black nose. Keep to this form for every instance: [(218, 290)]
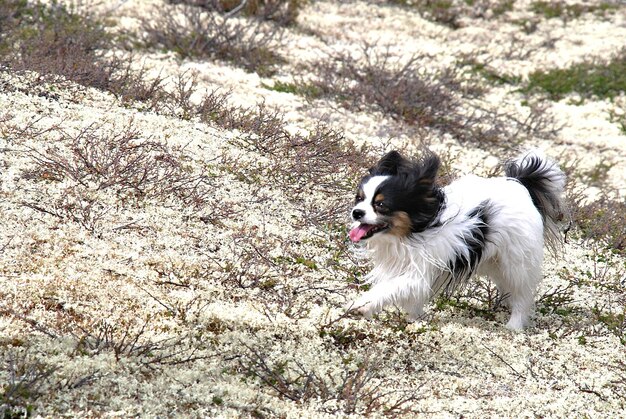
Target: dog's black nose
[(357, 214)]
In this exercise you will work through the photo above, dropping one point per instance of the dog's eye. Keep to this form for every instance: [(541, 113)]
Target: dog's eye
[(358, 198), (379, 204)]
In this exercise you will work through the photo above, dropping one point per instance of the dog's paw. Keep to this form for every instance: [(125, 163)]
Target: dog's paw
[(415, 316), (517, 323), (361, 308)]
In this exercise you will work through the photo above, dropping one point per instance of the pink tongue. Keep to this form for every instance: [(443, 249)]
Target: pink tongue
[(358, 232)]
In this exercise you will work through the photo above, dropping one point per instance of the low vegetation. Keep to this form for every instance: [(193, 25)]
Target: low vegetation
[(566, 11), (168, 250), (442, 100), (56, 41), (282, 12), (192, 31), (599, 79), (452, 12)]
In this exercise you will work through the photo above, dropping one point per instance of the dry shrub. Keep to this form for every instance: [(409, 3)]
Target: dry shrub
[(75, 205), (55, 40), (138, 85), (402, 92), (97, 164), (358, 391), (27, 379), (603, 219), (131, 341), (442, 100), (320, 162), (120, 160), (269, 264), (304, 163), (192, 32), (283, 12)]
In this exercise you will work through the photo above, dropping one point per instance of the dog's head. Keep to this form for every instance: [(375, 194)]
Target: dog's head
[(398, 197)]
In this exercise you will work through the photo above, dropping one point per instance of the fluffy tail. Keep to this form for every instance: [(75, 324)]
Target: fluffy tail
[(545, 183)]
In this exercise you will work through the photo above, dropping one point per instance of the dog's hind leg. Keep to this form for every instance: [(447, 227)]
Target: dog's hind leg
[(518, 282)]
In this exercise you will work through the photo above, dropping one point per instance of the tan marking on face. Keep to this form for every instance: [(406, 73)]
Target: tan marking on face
[(379, 198), (400, 224)]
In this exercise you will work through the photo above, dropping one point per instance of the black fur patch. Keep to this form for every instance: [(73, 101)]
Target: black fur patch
[(463, 266)]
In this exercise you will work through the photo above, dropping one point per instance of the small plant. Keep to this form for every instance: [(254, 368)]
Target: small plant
[(558, 300), (487, 72), (614, 321), (302, 89)]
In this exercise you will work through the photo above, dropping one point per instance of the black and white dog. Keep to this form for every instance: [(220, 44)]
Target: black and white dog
[(424, 239)]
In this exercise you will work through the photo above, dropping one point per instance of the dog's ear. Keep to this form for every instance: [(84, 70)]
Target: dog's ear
[(389, 164), (427, 169)]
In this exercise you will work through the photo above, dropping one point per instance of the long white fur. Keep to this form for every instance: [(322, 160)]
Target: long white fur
[(408, 271)]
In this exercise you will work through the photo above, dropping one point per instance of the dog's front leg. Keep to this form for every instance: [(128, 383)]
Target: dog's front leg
[(378, 297)]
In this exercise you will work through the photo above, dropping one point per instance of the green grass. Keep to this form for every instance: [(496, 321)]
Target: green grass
[(487, 73), (558, 9), (301, 89), (614, 322), (591, 79), (450, 12)]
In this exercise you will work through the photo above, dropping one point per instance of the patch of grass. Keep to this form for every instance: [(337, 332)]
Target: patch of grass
[(451, 12), (302, 89), (565, 11), (589, 79), (193, 32), (488, 73), (615, 322)]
